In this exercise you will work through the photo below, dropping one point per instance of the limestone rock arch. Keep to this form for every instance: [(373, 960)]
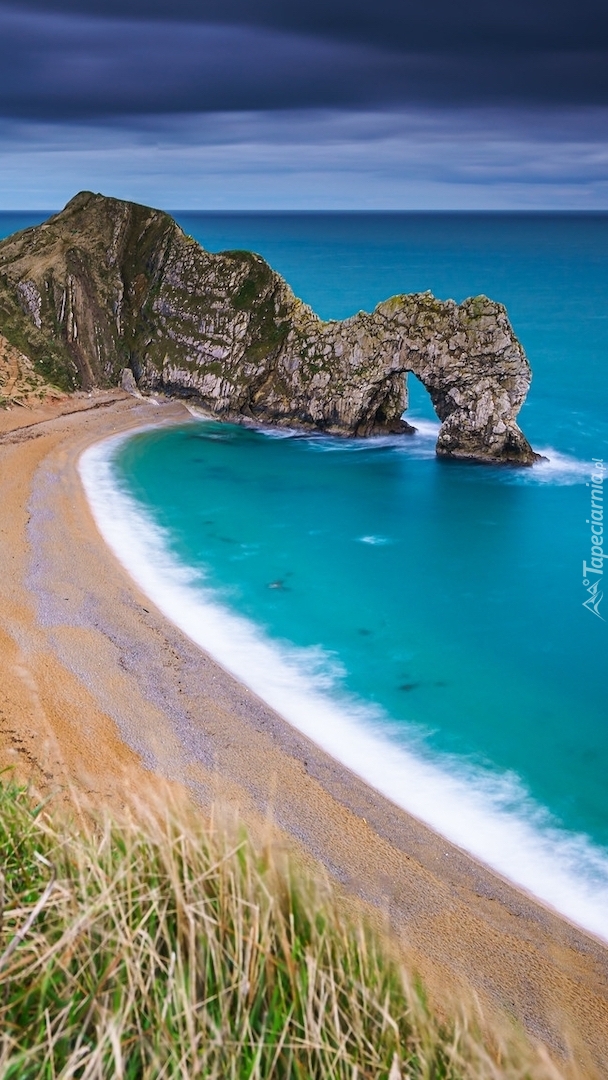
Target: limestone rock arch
[(108, 285)]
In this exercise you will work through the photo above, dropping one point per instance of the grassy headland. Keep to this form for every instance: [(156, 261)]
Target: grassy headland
[(152, 946)]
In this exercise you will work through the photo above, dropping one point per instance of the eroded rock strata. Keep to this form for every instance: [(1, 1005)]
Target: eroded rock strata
[(107, 285)]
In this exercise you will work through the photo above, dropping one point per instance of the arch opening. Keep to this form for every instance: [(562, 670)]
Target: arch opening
[(419, 404)]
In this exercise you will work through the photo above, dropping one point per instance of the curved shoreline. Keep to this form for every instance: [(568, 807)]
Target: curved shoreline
[(478, 813), (90, 669)]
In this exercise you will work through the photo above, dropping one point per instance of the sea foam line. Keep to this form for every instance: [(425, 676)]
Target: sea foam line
[(487, 816), (555, 468)]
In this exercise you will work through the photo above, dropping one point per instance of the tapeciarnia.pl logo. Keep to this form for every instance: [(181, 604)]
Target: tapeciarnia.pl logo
[(593, 572)]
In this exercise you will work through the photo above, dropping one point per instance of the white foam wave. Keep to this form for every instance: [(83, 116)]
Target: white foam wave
[(556, 469), (486, 815), (560, 468), (280, 432), (421, 445), (426, 429), (352, 444)]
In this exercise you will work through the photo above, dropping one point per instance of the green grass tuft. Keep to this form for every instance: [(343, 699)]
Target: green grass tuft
[(156, 947)]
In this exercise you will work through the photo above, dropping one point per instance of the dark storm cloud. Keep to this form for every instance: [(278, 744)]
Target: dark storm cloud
[(60, 60), (407, 24)]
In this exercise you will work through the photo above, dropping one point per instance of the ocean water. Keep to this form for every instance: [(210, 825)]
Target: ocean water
[(421, 620)]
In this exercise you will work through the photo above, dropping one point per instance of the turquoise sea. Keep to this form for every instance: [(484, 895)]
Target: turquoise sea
[(422, 620)]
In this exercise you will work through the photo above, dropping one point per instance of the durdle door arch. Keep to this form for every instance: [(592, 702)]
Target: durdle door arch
[(107, 286)]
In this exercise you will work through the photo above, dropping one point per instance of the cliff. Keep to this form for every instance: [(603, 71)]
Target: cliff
[(107, 285)]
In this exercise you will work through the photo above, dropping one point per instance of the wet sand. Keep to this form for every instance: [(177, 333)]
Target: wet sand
[(99, 689)]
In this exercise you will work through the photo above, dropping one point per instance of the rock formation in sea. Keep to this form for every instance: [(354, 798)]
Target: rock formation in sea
[(107, 285)]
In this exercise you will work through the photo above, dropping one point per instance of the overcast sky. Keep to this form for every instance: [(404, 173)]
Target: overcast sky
[(368, 104)]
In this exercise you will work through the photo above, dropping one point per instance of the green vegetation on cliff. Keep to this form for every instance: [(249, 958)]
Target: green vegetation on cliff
[(152, 947)]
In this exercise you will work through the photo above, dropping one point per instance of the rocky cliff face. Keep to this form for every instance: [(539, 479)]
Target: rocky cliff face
[(107, 285)]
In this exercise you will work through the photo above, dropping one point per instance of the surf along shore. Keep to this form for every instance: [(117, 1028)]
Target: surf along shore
[(100, 690)]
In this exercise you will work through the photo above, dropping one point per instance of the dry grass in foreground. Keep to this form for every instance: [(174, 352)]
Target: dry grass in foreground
[(154, 946)]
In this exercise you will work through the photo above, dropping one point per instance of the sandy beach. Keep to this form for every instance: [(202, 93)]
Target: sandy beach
[(97, 688)]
